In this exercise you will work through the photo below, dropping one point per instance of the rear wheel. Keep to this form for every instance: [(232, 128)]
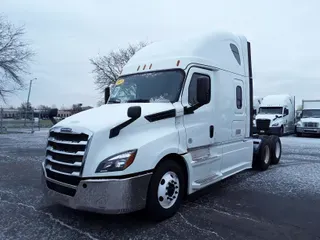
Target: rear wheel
[(276, 149), (263, 158), (166, 190)]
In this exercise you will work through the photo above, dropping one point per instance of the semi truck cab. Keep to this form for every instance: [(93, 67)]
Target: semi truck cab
[(276, 115), (309, 122), (178, 119)]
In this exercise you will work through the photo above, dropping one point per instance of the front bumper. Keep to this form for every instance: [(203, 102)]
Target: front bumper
[(110, 196), (308, 130), (270, 131)]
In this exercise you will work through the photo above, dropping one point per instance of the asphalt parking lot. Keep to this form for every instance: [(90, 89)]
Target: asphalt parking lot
[(280, 203)]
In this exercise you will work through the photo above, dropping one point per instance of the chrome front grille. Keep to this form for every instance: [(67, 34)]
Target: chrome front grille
[(65, 155), (263, 124), (311, 124)]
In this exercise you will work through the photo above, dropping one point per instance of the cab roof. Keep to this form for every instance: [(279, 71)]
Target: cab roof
[(222, 50)]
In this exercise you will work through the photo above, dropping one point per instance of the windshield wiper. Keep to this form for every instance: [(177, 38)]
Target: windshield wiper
[(138, 101), (114, 100)]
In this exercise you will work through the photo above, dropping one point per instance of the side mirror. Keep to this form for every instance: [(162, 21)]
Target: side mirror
[(53, 112), (106, 94), (286, 111), (134, 112), (203, 90), (254, 111)]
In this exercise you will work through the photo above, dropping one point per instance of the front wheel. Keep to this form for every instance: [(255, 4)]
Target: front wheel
[(281, 131), (166, 190)]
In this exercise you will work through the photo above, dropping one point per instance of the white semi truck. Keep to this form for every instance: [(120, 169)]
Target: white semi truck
[(276, 115), (309, 122), (178, 119)]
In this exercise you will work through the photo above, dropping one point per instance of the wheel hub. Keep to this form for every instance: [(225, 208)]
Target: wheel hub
[(168, 189), (267, 155)]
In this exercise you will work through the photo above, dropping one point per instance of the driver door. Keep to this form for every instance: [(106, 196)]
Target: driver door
[(200, 127)]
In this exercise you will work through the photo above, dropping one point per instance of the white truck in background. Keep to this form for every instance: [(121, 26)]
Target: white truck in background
[(178, 119), (276, 115), (309, 122)]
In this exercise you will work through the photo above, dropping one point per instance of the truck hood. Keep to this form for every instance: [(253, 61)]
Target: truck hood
[(271, 117), (110, 115), (303, 120)]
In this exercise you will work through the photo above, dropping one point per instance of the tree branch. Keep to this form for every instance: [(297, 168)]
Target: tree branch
[(107, 69), (15, 55)]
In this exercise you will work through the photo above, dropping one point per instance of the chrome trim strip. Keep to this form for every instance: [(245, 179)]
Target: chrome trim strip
[(61, 183), (51, 139)]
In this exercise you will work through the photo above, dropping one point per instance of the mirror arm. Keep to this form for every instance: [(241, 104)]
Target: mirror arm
[(190, 110)]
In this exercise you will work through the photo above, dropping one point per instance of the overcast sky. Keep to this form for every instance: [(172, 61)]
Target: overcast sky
[(284, 36)]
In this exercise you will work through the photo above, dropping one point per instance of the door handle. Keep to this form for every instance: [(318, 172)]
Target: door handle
[(211, 131)]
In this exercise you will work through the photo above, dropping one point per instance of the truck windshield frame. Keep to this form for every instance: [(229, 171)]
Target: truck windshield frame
[(148, 87), (271, 110), (310, 113)]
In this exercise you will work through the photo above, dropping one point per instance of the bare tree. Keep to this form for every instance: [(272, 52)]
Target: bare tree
[(108, 68), (43, 107), (25, 106), (76, 108), (15, 55)]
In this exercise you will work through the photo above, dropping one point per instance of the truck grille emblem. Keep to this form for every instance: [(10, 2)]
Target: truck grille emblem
[(65, 130)]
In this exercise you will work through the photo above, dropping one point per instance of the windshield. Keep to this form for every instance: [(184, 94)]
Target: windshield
[(270, 110), (159, 86), (315, 113)]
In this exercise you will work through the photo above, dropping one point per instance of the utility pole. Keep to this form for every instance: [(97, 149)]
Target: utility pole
[(25, 112)]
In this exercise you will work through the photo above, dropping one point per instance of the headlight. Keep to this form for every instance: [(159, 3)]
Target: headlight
[(299, 124), (275, 124), (117, 162)]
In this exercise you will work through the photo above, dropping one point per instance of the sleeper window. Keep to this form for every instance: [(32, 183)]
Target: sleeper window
[(239, 97)]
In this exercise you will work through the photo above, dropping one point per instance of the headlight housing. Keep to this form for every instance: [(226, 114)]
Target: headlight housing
[(118, 162), (275, 124)]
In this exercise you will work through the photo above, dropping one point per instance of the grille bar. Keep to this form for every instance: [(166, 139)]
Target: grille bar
[(50, 168), (51, 139), (61, 189), (78, 153), (75, 164), (61, 183), (311, 124), (72, 180)]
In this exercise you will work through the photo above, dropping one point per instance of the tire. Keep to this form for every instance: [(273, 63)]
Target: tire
[(281, 131), (263, 137), (159, 208), (299, 134), (263, 158), (276, 149)]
